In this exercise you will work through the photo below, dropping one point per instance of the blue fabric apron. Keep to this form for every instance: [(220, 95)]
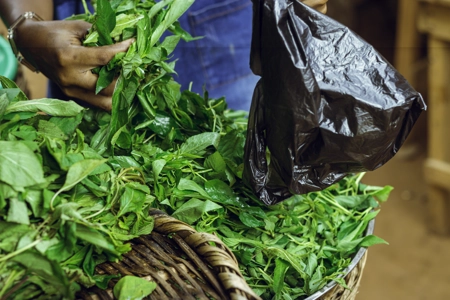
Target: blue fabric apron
[(219, 62)]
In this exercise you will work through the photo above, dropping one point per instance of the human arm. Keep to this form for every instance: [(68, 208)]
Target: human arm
[(320, 5), (55, 48)]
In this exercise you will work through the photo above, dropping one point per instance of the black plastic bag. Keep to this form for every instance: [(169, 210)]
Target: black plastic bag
[(327, 104)]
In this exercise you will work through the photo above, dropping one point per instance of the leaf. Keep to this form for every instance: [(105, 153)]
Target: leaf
[(177, 30), (122, 138), (88, 264), (77, 258), (350, 201), (348, 246), (279, 274), (216, 162), (157, 167), (36, 200), (143, 226), (383, 194), (162, 124), (18, 212), (9, 84), (51, 130), (125, 21), (198, 143), (133, 288), (105, 78), (95, 238), (221, 193), (371, 240), (102, 281), (47, 269), (142, 33), (189, 185), (4, 102), (54, 107), (67, 240), (194, 209), (119, 116), (66, 124), (19, 165), (10, 234), (124, 162), (105, 22), (170, 43), (131, 200), (250, 221), (231, 146), (80, 170), (158, 7), (311, 266), (177, 8)]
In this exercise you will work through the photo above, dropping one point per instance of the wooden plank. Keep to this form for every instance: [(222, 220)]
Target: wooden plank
[(438, 208), (439, 99), (434, 19), (437, 173), (437, 2), (438, 126), (407, 44)]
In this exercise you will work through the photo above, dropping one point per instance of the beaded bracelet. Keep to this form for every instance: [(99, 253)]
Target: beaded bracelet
[(26, 16)]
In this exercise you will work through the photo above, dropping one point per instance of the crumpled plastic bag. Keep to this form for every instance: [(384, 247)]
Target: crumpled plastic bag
[(327, 104)]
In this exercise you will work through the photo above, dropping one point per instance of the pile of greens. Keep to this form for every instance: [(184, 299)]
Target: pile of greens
[(76, 184)]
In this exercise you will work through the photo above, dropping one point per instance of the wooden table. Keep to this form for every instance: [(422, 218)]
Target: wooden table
[(434, 20)]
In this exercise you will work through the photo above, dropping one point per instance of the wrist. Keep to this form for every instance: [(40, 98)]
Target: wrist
[(13, 33)]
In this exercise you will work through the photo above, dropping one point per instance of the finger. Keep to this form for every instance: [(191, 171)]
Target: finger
[(323, 8), (90, 98), (77, 28), (83, 78), (109, 90), (86, 80), (320, 5), (100, 56)]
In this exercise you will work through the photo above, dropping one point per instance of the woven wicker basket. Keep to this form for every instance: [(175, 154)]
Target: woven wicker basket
[(184, 263), (187, 264)]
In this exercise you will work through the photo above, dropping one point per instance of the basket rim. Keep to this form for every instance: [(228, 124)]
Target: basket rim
[(359, 255)]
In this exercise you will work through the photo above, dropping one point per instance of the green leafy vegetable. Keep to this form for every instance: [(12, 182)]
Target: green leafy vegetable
[(105, 22), (130, 287), (76, 184), (19, 165)]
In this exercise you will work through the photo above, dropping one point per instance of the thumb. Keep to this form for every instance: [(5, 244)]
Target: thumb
[(100, 56)]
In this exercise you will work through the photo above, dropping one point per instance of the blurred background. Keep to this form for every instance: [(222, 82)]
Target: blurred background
[(414, 35)]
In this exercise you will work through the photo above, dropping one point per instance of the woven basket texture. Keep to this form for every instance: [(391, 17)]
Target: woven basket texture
[(353, 280), (184, 263), (187, 264)]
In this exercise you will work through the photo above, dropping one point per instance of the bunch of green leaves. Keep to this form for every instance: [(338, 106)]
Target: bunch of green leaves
[(293, 249), (63, 207), (90, 177), (143, 72)]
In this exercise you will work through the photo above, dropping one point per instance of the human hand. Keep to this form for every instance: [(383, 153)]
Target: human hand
[(320, 5), (55, 48)]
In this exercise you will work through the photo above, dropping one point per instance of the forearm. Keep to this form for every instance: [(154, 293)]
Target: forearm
[(10, 10)]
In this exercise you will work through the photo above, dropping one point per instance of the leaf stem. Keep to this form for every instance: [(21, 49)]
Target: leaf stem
[(86, 9), (12, 254)]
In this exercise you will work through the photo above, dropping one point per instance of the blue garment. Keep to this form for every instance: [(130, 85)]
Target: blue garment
[(65, 8), (220, 61)]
